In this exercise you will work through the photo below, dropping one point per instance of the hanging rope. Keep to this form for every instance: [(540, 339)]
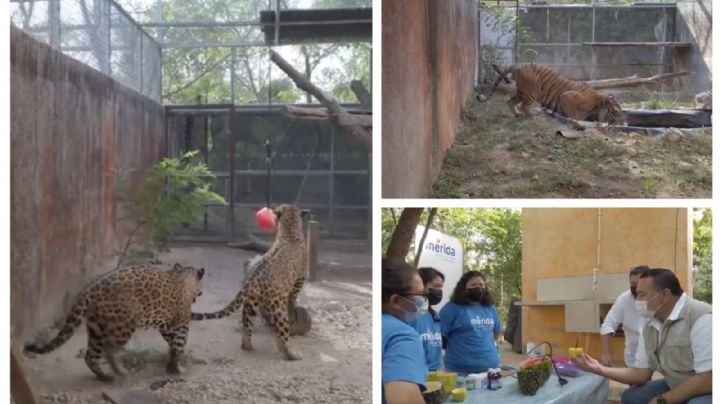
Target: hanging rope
[(268, 146), (307, 167), (268, 163)]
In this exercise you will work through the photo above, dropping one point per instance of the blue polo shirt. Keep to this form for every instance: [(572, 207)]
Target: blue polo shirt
[(429, 330), (403, 358), (470, 330)]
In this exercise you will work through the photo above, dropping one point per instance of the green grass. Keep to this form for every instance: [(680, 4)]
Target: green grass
[(497, 155)]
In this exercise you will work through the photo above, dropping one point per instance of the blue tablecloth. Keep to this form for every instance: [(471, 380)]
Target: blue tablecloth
[(586, 389)]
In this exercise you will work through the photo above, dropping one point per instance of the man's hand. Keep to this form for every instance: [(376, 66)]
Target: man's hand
[(588, 363)]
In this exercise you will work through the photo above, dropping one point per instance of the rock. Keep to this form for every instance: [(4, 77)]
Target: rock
[(674, 135), (525, 155), (631, 152), (568, 134), (704, 100), (334, 307), (634, 167)]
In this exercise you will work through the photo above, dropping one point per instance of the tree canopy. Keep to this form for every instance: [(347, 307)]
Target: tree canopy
[(702, 255), (491, 240)]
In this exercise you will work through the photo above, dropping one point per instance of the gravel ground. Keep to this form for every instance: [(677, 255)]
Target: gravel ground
[(337, 352)]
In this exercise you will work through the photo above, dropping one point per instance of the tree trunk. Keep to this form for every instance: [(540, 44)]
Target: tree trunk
[(403, 234), (633, 81), (431, 216)]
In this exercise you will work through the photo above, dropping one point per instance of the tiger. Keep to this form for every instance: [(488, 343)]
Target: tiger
[(576, 100)]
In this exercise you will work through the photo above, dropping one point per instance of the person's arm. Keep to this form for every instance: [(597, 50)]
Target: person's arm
[(698, 385), (498, 328), (701, 345), (607, 330), (606, 357), (404, 370), (447, 317), (632, 376), (401, 392)]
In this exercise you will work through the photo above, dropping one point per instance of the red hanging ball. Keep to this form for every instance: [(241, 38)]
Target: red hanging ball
[(265, 218)]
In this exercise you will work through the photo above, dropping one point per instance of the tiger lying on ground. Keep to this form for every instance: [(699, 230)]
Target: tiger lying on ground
[(538, 83)]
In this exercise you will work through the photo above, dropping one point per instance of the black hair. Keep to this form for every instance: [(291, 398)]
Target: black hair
[(459, 295), (428, 274), (396, 278), (664, 279), (639, 270)]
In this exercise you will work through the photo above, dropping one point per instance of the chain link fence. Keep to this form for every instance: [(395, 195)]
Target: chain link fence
[(98, 33)]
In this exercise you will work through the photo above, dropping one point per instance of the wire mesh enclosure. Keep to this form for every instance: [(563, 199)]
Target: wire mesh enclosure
[(582, 41), (208, 62), (98, 33), (314, 163)]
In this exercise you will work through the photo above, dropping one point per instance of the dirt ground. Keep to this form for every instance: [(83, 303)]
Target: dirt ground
[(496, 155), (337, 352)]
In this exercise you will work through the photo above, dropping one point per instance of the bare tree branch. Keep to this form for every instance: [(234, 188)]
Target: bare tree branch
[(326, 99)]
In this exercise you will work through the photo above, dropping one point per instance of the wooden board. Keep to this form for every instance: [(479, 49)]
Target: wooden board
[(564, 288), (352, 119)]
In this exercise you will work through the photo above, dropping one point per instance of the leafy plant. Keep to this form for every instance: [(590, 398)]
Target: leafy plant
[(656, 102), (702, 255), (174, 192), (503, 24)]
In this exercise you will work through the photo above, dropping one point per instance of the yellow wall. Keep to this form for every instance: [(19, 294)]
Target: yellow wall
[(564, 242)]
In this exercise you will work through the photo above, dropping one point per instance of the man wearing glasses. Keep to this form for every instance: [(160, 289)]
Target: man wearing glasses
[(676, 342)]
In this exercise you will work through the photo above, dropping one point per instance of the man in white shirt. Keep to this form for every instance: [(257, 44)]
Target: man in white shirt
[(676, 342), (624, 313)]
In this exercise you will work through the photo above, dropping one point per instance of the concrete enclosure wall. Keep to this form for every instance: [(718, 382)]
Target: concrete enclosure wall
[(694, 25), (71, 127), (428, 70), (564, 242)]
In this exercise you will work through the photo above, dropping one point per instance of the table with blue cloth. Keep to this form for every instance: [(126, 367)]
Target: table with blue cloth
[(586, 389)]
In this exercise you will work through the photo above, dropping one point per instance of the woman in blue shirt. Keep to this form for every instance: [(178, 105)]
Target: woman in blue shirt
[(404, 371), (471, 327), (428, 325)]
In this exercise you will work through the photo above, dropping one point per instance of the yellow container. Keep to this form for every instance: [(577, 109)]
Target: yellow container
[(448, 380), (459, 394)]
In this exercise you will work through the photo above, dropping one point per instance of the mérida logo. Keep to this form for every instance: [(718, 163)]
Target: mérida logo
[(440, 247)]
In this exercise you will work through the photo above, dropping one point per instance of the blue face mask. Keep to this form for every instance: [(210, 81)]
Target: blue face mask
[(420, 309)]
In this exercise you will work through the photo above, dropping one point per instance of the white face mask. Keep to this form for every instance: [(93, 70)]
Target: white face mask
[(421, 308), (641, 306)]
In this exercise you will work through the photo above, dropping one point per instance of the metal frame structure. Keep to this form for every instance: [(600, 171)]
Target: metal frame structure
[(228, 177), (100, 35), (97, 28), (593, 45)]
